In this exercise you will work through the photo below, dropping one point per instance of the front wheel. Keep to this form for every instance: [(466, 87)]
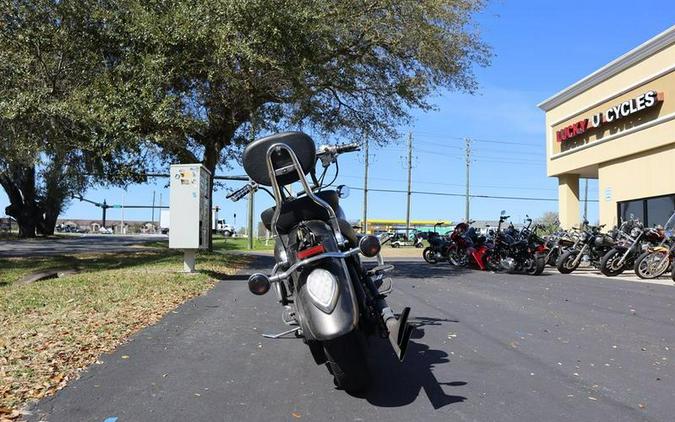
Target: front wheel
[(429, 255), (566, 263), (651, 265), (609, 264), (346, 360)]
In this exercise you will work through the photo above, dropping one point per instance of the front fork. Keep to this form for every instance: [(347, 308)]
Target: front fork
[(580, 254)]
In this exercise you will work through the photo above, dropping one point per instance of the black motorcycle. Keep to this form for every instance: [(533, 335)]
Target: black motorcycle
[(516, 250), (591, 244), (439, 249), (332, 300)]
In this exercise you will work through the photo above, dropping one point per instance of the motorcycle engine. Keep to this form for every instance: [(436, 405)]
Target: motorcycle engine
[(509, 264)]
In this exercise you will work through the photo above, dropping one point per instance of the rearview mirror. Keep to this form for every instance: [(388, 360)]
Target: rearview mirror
[(343, 191), (503, 212)]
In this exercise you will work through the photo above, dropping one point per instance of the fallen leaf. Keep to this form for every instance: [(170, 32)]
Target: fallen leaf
[(296, 415), (125, 357)]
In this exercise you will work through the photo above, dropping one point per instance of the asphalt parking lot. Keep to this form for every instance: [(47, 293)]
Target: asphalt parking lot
[(487, 347)]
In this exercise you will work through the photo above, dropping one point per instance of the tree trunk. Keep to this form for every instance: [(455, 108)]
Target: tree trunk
[(19, 184)]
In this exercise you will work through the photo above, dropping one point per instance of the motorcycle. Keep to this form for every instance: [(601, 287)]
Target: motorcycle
[(625, 251), (591, 244), (519, 250), (330, 298), (439, 250), (469, 248), (557, 244), (656, 260)]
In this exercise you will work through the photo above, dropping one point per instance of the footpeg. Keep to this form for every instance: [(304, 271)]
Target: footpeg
[(384, 285)]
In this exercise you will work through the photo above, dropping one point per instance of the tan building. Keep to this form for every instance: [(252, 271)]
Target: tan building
[(617, 125)]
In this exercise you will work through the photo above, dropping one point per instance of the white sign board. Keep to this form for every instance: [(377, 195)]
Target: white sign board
[(189, 207)]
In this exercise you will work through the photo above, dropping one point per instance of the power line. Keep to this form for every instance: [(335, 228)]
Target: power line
[(518, 198), (422, 182)]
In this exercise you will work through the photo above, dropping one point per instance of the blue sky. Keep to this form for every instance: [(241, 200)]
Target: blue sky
[(540, 48)]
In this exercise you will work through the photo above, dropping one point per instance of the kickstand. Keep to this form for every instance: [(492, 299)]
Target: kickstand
[(275, 336)]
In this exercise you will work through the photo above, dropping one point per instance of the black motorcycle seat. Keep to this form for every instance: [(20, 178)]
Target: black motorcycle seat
[(255, 157), (303, 209)]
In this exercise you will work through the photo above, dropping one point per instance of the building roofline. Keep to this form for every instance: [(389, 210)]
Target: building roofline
[(639, 53)]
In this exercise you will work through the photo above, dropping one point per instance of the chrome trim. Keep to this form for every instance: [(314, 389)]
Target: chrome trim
[(291, 270)]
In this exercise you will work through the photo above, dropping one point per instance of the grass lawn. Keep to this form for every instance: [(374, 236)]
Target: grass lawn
[(53, 328)]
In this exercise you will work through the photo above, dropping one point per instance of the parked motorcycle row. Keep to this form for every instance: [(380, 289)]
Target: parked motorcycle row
[(510, 249), (649, 251)]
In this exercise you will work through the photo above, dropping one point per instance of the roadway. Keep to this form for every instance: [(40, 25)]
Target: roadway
[(73, 244), (487, 347)]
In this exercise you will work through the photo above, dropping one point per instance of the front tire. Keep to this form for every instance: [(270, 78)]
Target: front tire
[(651, 265), (429, 255), (566, 263), (608, 266), (346, 360)]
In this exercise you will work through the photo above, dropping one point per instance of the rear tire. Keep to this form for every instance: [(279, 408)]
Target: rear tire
[(429, 255), (346, 360), (564, 263), (607, 263), (537, 266)]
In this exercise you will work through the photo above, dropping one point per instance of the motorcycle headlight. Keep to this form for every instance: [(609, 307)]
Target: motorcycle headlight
[(583, 237), (322, 288), (635, 232)]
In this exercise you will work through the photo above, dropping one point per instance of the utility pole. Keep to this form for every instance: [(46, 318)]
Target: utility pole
[(364, 220), (407, 215), (467, 150), (153, 208), (250, 199), (124, 195), (586, 201)]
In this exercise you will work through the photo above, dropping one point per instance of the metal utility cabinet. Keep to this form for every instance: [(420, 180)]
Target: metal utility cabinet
[(189, 208)]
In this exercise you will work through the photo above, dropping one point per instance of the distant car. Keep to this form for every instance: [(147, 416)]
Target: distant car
[(164, 230), (105, 230), (225, 229)]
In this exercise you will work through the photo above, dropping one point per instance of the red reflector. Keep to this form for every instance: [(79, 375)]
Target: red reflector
[(314, 250)]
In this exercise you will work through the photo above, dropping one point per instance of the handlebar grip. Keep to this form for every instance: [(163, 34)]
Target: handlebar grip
[(340, 149), (239, 193)]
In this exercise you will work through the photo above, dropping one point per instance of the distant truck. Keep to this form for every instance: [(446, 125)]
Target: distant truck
[(218, 226)]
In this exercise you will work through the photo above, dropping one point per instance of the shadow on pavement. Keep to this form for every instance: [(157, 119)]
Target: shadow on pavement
[(421, 269), (397, 384)]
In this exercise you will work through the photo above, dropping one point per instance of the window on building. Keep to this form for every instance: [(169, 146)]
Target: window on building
[(632, 210), (660, 209), (650, 211)]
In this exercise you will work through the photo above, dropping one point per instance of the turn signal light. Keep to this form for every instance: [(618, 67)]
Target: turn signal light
[(259, 284), (370, 245)]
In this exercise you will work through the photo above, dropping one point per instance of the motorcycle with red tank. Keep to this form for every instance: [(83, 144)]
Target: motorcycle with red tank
[(470, 248)]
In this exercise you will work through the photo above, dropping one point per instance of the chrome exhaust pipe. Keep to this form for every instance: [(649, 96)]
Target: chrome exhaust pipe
[(399, 330)]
